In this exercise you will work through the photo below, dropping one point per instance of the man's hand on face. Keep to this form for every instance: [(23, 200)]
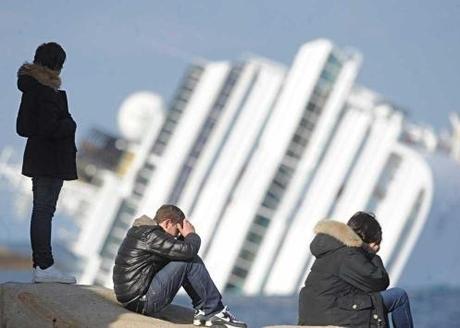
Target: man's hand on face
[(186, 228)]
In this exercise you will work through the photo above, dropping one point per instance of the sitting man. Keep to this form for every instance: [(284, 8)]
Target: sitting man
[(159, 256)]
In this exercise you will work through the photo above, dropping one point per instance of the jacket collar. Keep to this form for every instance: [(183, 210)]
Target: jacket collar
[(42, 74), (339, 231), (144, 220)]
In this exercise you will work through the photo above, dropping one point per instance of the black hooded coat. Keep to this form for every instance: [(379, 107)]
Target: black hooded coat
[(343, 286), (45, 121)]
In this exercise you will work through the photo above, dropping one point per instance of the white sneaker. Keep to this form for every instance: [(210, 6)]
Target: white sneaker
[(198, 318), (225, 319), (51, 274)]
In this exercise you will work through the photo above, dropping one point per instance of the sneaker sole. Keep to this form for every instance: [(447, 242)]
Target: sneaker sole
[(198, 322), (222, 325)]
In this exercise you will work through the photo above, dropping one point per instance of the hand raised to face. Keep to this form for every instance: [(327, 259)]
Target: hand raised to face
[(372, 247), (186, 228)]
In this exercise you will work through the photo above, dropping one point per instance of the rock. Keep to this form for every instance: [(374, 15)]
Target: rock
[(71, 306)]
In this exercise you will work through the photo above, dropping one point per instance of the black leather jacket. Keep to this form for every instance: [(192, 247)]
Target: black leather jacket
[(146, 249)]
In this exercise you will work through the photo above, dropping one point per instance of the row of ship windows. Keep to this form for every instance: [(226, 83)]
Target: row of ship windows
[(297, 145), (129, 205), (177, 107), (281, 180), (248, 251), (408, 225), (306, 125), (384, 181), (179, 104), (122, 222), (205, 131)]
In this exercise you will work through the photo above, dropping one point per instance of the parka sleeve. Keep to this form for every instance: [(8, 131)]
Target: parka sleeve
[(175, 249), (368, 275), (25, 124)]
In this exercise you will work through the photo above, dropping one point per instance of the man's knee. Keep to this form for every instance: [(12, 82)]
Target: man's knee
[(178, 264), (197, 259), (402, 294), (186, 265)]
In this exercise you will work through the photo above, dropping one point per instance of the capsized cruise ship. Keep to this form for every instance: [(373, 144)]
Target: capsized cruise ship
[(255, 153)]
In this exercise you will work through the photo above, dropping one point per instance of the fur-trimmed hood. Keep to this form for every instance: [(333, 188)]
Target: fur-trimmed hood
[(339, 231), (41, 74), (144, 220), (342, 235)]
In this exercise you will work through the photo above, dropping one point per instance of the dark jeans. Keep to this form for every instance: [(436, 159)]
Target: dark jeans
[(45, 195), (396, 302), (194, 277)]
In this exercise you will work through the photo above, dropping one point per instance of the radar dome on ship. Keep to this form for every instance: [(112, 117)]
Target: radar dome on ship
[(138, 112)]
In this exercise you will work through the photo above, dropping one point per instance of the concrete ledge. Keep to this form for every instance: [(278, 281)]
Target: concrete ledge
[(71, 306)]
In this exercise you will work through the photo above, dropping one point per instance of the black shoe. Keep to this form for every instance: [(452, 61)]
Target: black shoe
[(198, 318), (224, 319)]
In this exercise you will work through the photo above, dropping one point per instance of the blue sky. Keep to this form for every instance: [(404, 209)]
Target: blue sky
[(411, 49)]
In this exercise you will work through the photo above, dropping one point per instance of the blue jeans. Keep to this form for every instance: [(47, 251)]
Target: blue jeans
[(194, 277), (45, 195), (396, 302)]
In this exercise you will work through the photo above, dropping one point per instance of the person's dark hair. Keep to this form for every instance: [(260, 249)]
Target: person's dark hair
[(366, 227), (50, 55), (169, 211)]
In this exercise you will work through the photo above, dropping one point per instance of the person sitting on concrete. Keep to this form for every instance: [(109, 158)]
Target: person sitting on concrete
[(156, 258), (50, 154), (347, 284)]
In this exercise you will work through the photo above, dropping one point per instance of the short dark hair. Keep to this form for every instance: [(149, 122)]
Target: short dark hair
[(366, 226), (50, 55), (169, 211)]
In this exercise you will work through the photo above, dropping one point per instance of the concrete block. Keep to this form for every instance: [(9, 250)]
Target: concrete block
[(77, 306)]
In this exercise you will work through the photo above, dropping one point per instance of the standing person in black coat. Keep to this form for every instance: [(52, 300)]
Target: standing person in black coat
[(159, 256), (347, 283), (49, 156)]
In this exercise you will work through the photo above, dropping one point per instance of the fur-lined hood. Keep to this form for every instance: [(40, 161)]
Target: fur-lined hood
[(42, 74), (339, 231), (144, 220), (342, 235)]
